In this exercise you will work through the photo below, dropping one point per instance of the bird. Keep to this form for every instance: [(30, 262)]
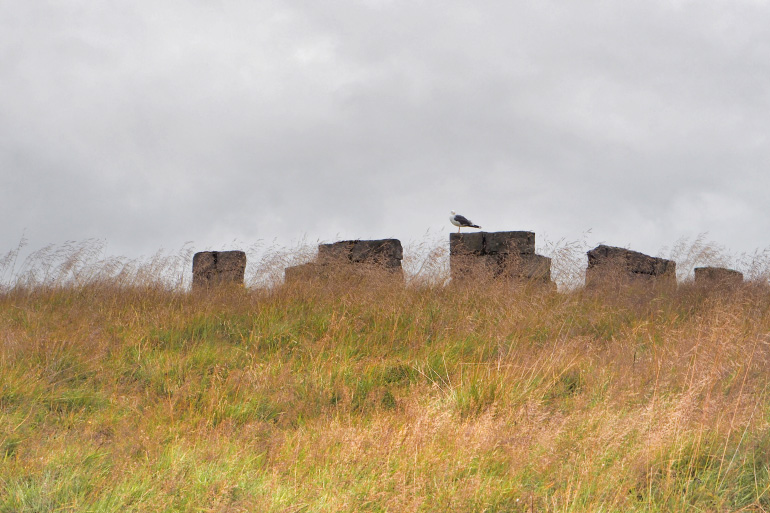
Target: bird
[(460, 221)]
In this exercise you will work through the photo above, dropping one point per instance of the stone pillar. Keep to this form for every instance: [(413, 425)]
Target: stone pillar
[(611, 265), (717, 276), (213, 268), (491, 255)]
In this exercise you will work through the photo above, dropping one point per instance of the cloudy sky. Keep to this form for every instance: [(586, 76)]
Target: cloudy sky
[(149, 124)]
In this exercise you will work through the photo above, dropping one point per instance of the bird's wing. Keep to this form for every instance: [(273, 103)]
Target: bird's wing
[(462, 220)]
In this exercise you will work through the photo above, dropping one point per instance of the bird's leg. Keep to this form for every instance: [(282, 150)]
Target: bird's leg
[(458, 229)]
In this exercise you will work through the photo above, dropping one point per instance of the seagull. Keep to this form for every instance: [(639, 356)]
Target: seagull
[(460, 221)]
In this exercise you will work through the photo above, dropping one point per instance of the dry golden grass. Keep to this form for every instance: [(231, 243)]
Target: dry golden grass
[(121, 391)]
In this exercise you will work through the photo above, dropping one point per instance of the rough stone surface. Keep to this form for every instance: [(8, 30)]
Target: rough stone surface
[(717, 276), (492, 243), (211, 268), (509, 242), (536, 267), (204, 268), (494, 255), (335, 252), (386, 252), (351, 258), (608, 262), (466, 243)]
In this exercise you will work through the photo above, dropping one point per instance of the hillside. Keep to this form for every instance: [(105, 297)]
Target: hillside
[(383, 397)]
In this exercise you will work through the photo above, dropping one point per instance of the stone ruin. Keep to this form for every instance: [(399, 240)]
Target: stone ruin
[(213, 268), (478, 255), (351, 258), (609, 265), (717, 277), (494, 255)]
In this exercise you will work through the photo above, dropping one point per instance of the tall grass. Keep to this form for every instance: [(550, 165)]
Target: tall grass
[(122, 391)]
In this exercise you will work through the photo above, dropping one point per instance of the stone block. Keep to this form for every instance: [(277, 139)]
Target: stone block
[(204, 268), (536, 268), (718, 276), (335, 252), (387, 252), (212, 268), (529, 267), (303, 272), (352, 259), (509, 242), (469, 266), (612, 263), (497, 255), (466, 243)]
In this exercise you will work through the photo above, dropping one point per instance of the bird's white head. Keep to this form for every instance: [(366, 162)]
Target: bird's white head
[(452, 212)]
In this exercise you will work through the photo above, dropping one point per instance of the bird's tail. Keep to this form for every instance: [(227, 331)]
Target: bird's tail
[(475, 226)]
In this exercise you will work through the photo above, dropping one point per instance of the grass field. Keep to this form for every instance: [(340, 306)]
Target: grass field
[(122, 392)]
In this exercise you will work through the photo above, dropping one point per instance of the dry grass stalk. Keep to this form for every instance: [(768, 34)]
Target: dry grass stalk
[(119, 390)]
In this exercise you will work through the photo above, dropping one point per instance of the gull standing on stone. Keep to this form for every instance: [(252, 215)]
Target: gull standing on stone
[(460, 221)]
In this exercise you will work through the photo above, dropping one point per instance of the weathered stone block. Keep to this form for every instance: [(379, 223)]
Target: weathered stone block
[(387, 252), (507, 255), (612, 263), (536, 267), (336, 251), (352, 259), (476, 267), (509, 242), (526, 266), (466, 243), (303, 272), (719, 276), (204, 267), (211, 268)]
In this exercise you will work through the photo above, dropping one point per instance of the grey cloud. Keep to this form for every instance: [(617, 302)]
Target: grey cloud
[(150, 124)]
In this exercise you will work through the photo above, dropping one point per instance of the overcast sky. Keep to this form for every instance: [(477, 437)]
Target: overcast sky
[(152, 123)]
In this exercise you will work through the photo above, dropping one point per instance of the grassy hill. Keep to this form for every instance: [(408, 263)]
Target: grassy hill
[(382, 397)]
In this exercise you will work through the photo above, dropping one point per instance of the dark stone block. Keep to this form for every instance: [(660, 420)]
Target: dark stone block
[(386, 251), (303, 272), (536, 267), (231, 265), (204, 268), (527, 266), (612, 263), (509, 242), (353, 259), (211, 268), (717, 276), (465, 243), (336, 251), (469, 266), (497, 255)]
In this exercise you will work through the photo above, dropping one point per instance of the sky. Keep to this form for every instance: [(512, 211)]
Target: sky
[(221, 124)]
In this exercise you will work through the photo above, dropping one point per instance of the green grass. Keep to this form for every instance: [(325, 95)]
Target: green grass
[(364, 397)]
